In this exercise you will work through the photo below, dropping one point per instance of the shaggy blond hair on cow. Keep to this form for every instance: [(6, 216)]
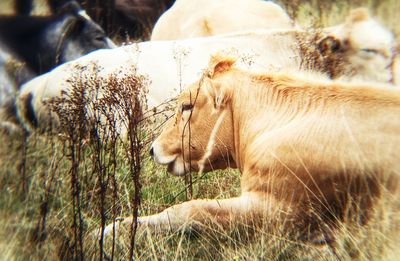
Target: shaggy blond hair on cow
[(311, 152)]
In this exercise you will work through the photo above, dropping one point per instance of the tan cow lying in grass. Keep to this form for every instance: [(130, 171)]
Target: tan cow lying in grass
[(199, 18), (309, 151), (349, 50)]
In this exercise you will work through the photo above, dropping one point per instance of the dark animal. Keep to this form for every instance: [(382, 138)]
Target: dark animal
[(32, 45), (141, 13), (23, 7), (43, 42), (124, 19)]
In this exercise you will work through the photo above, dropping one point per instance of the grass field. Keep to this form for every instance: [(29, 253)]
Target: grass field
[(50, 202)]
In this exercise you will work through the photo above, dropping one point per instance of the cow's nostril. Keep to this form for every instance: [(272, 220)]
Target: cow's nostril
[(151, 152)]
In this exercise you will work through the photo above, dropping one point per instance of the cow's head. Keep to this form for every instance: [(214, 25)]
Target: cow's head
[(364, 44), (200, 135), (76, 34)]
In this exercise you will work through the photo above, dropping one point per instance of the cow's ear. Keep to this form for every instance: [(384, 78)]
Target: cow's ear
[(66, 7), (358, 15), (329, 45), (218, 93), (219, 65)]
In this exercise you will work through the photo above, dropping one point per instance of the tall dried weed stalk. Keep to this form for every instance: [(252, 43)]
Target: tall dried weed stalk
[(100, 119)]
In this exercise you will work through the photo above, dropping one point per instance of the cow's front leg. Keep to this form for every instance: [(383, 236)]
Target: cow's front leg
[(200, 213)]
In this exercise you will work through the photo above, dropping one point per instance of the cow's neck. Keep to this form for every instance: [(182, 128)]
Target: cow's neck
[(257, 109), (243, 109), (24, 37)]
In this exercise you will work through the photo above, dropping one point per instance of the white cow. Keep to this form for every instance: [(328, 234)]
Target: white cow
[(172, 65), (199, 18), (374, 44)]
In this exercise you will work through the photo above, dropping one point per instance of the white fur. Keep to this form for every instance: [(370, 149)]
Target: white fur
[(374, 44), (171, 65), (110, 43), (7, 90), (186, 20), (159, 156), (180, 168), (84, 15), (211, 141)]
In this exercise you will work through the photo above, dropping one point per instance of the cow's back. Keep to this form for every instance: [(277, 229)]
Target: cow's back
[(186, 20)]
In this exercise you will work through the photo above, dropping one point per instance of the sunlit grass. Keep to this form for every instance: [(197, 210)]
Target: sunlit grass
[(44, 158)]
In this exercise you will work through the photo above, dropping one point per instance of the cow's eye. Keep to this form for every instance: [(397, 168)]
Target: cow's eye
[(187, 107), (371, 51)]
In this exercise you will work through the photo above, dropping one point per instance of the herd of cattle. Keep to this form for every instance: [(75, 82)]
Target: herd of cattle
[(308, 116)]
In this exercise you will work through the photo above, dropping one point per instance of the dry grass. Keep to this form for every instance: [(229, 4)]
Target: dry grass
[(329, 13), (41, 185)]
